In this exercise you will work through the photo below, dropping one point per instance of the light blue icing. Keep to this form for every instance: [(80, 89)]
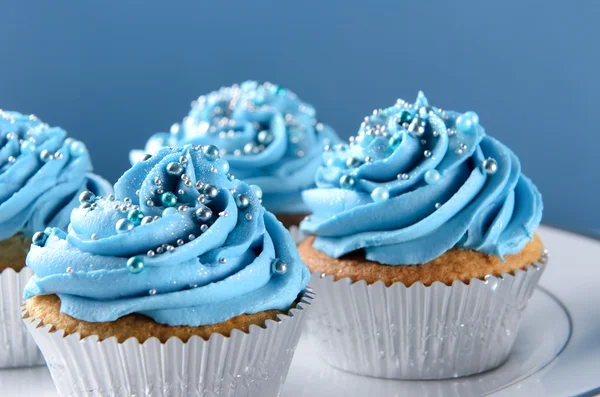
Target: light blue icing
[(196, 270), (269, 136), (42, 172), (416, 182)]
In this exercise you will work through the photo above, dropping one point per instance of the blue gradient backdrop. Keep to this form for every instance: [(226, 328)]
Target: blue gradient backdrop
[(113, 72)]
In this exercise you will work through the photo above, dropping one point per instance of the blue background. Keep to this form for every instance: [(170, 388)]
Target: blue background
[(113, 72)]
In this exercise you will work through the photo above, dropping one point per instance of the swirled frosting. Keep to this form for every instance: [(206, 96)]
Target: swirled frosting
[(41, 174), (182, 242), (269, 136), (417, 181)]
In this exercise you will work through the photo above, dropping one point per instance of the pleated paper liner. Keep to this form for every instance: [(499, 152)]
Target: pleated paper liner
[(17, 347), (253, 364), (420, 332)]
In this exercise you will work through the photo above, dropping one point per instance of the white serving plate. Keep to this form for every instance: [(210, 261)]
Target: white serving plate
[(557, 352)]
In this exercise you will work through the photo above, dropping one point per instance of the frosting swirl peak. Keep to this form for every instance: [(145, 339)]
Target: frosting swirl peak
[(182, 242), (269, 136), (417, 181), (41, 174)]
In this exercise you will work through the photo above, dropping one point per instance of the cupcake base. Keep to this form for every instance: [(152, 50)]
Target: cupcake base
[(250, 364), (432, 321), (46, 308), (455, 264), (13, 252)]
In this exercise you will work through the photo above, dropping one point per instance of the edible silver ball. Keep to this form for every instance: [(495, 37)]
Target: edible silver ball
[(490, 166), (123, 225), (174, 168), (242, 201), (211, 191), (203, 214), (87, 197)]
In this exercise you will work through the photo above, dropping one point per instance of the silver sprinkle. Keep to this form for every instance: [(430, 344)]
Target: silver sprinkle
[(152, 291), (150, 253), (427, 153), (223, 260), (545, 257), (94, 236), (70, 270), (490, 166), (191, 237), (45, 155), (180, 241), (248, 216)]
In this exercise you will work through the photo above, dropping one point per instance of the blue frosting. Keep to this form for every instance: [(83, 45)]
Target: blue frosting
[(417, 181), (269, 136), (42, 172), (182, 242)]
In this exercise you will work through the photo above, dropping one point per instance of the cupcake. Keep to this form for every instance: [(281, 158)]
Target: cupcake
[(267, 134), (422, 245), (42, 173), (180, 285)]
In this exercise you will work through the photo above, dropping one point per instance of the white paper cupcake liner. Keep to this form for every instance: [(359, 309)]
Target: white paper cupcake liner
[(420, 332), (17, 347), (252, 364)]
